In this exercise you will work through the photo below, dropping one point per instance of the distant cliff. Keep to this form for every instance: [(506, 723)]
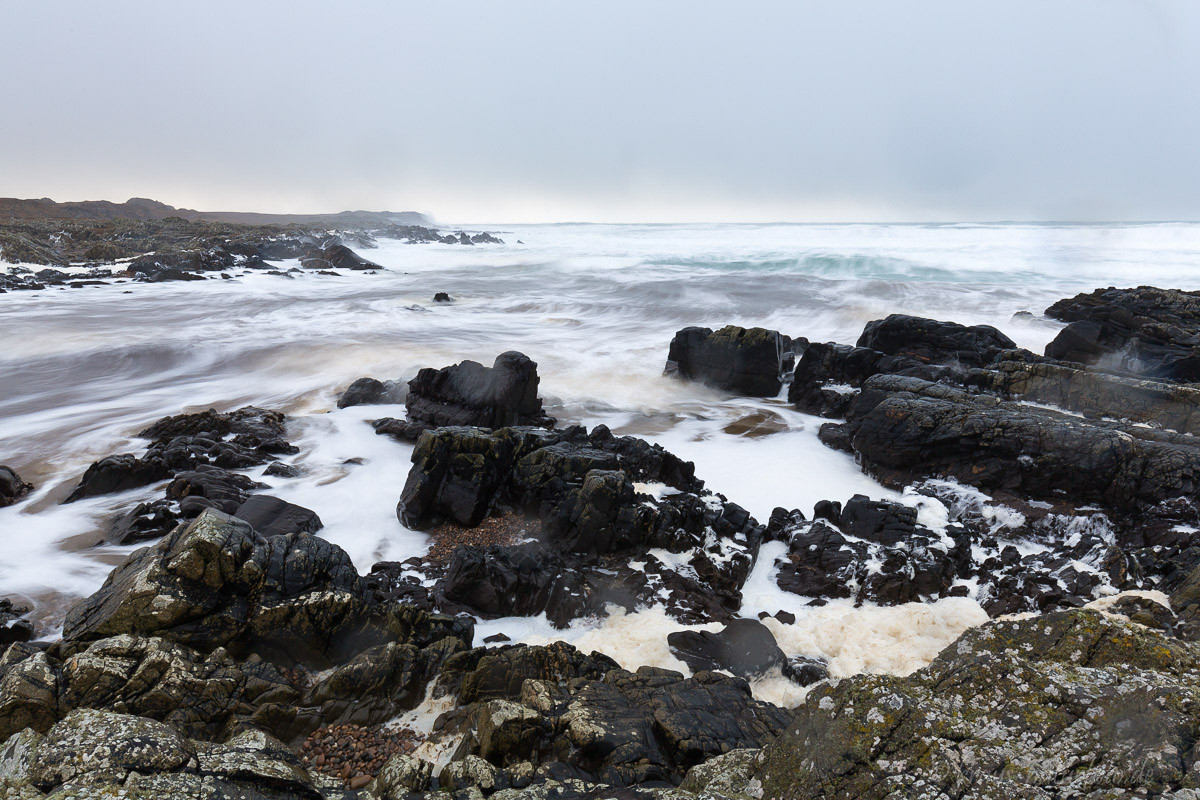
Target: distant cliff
[(140, 208)]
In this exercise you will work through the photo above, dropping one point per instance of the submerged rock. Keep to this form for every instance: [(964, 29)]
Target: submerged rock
[(369, 391), (744, 647), (750, 361)]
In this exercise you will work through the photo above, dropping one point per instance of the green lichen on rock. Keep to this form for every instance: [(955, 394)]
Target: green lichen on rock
[(1070, 704)]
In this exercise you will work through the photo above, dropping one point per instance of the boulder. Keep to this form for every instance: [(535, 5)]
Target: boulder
[(218, 583), (744, 647), (335, 256), (934, 342), (12, 488), (98, 747), (270, 516), (14, 627), (749, 361), (469, 393), (1066, 704), (369, 391)]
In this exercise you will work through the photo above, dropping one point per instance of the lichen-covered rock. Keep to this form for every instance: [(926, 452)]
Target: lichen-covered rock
[(1070, 704), (470, 772), (730, 775), (750, 361), (98, 747), (217, 583), (254, 757), (29, 686), (16, 754), (401, 775)]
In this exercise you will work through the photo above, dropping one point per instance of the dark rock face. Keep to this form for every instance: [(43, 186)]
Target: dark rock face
[(13, 625), (270, 516), (218, 583), (1148, 331), (369, 391), (745, 647), (235, 440), (469, 393), (750, 361), (905, 426), (934, 342), (1092, 391), (335, 256), (600, 538), (582, 717), (12, 488), (1069, 703)]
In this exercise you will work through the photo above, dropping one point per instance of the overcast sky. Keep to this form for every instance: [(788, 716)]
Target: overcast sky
[(612, 111)]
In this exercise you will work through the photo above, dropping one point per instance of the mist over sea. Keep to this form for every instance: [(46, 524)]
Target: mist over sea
[(594, 305)]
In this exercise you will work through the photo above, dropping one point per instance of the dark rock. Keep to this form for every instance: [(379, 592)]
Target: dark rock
[(12, 488), (13, 625), (806, 670), (750, 361), (270, 516), (744, 647), (146, 521), (369, 391), (934, 342), (234, 440), (335, 256), (905, 428), (442, 297), (278, 469), (471, 394), (217, 583), (1145, 330), (496, 638)]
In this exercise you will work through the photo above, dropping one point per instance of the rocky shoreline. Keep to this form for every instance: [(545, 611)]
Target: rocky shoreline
[(77, 253), (240, 655)]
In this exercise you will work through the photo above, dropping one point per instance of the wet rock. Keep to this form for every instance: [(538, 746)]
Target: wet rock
[(1021, 375), (904, 428), (750, 361), (12, 488), (270, 516), (145, 521), (14, 627), (278, 469), (91, 747), (335, 256), (744, 647), (934, 342), (234, 440), (806, 670), (1146, 330), (471, 394), (1067, 703), (216, 582), (442, 297), (369, 391)]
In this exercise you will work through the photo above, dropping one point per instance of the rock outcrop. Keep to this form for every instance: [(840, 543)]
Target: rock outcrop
[(749, 361), (12, 488)]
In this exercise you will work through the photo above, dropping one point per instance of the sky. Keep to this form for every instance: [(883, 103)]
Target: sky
[(665, 111)]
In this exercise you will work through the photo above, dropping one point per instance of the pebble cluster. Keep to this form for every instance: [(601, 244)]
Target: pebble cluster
[(508, 529), (354, 754)]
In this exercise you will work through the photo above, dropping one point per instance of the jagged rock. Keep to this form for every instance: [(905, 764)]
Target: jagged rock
[(934, 342), (598, 535), (1021, 375), (500, 673), (335, 256), (402, 775), (235, 440), (469, 393), (12, 488), (470, 772), (730, 775), (90, 747), (29, 686), (14, 627), (256, 758), (906, 428), (744, 647), (369, 391), (1066, 704), (1146, 330), (806, 670), (750, 361), (270, 516), (216, 582)]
